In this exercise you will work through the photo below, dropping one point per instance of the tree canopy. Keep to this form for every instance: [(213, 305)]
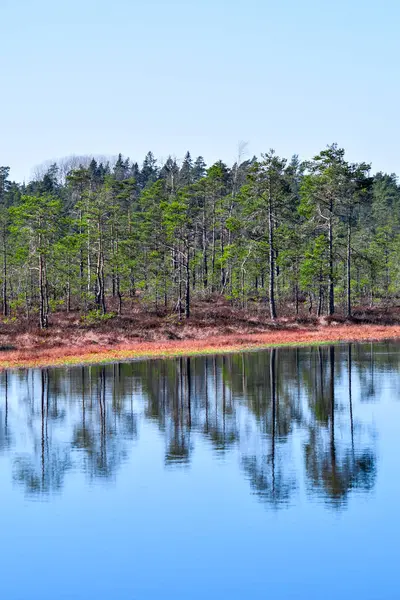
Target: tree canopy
[(320, 236)]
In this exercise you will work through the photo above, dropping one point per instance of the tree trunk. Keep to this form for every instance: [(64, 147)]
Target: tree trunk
[(68, 298), (43, 316), (187, 291), (89, 267), (213, 249), (205, 258), (81, 267), (100, 295), (100, 291), (180, 290), (348, 274), (272, 306), (165, 282), (119, 295), (223, 274), (5, 299), (320, 297), (194, 254), (330, 276)]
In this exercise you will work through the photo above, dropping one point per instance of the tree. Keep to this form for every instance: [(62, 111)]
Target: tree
[(121, 168), (199, 169), (37, 220), (263, 234), (170, 172), (4, 226), (178, 215), (186, 173), (264, 195), (149, 172)]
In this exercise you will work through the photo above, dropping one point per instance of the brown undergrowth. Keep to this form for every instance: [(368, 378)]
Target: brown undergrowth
[(213, 327)]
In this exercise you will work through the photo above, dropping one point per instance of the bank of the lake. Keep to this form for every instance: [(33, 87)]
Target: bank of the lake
[(25, 354)]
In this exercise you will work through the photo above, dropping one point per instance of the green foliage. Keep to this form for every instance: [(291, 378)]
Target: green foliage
[(95, 316), (314, 267), (163, 235)]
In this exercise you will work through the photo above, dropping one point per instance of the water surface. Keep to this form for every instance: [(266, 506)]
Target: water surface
[(268, 474)]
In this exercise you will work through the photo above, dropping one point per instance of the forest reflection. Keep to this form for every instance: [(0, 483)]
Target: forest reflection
[(290, 415)]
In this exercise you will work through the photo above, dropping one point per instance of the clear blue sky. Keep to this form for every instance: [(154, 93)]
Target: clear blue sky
[(102, 77)]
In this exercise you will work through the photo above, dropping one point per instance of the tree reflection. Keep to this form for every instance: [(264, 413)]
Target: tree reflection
[(269, 473), (43, 470), (257, 404), (5, 433), (334, 469), (107, 422)]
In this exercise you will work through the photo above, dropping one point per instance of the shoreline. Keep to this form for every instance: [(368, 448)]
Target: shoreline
[(66, 356)]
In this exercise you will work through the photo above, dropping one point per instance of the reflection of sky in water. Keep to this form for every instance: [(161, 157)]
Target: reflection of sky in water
[(209, 477)]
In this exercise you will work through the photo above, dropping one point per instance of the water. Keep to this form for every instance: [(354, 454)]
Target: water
[(270, 474)]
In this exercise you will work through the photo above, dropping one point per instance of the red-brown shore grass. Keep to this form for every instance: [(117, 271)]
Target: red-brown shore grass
[(213, 328)]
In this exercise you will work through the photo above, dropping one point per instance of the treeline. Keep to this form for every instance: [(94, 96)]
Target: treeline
[(321, 235)]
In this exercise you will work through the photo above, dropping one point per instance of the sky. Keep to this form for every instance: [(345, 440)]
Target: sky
[(102, 77)]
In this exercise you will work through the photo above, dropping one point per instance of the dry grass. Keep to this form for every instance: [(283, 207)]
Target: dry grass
[(214, 327)]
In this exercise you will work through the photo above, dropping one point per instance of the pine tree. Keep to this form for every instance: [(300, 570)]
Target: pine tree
[(186, 173), (149, 172), (199, 169)]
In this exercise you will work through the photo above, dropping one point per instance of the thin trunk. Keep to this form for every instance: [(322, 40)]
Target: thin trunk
[(187, 291), (43, 317), (165, 282), (223, 274), (27, 303), (348, 274), (5, 299), (81, 268), (118, 282), (311, 303), (180, 310), (213, 250), (119, 296), (89, 266), (320, 298), (330, 276), (68, 299), (205, 258), (100, 291), (272, 306), (194, 254)]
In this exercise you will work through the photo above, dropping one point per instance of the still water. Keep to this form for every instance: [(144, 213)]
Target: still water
[(270, 474)]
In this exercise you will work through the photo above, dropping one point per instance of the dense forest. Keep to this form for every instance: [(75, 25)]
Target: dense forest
[(315, 237)]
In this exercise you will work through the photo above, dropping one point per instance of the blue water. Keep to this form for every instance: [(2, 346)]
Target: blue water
[(261, 475)]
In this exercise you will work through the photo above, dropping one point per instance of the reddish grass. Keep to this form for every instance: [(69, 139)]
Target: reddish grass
[(214, 327), (31, 352)]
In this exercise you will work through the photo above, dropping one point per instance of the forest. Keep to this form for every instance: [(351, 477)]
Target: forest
[(94, 237)]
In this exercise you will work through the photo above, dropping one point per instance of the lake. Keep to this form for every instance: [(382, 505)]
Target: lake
[(269, 474)]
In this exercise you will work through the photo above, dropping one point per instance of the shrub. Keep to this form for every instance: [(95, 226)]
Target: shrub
[(94, 317)]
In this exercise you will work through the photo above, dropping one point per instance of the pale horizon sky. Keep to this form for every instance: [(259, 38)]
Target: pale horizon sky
[(102, 77)]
